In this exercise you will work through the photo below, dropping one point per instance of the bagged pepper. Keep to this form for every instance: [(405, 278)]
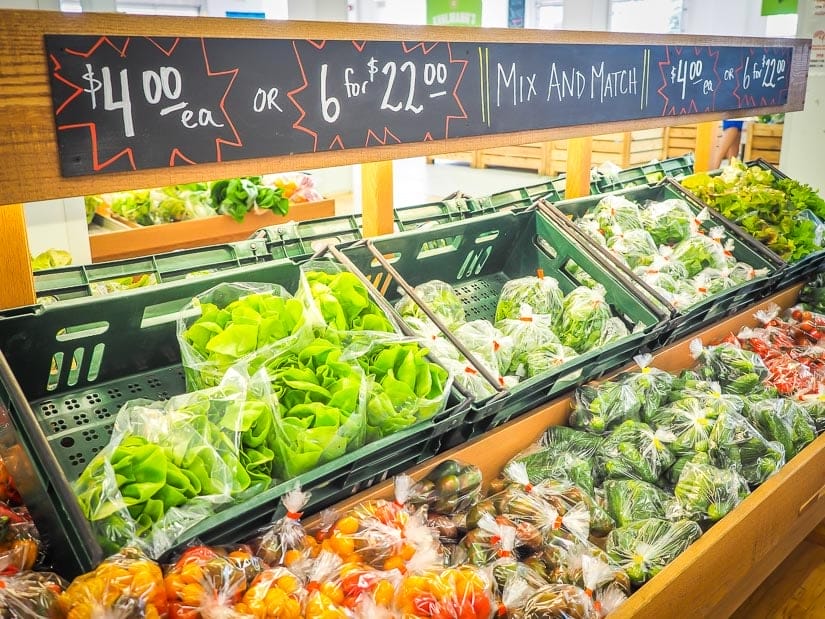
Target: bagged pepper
[(31, 595)]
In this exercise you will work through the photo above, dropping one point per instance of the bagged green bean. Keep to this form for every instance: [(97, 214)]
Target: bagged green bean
[(629, 500), (784, 421), (645, 547), (634, 450), (737, 445), (707, 493)]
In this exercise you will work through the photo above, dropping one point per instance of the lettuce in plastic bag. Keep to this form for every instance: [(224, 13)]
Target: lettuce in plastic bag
[(614, 212), (584, 315), (668, 222), (440, 298), (541, 294)]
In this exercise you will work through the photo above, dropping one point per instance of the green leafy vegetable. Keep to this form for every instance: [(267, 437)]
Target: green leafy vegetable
[(530, 295), (584, 314), (440, 298), (341, 299)]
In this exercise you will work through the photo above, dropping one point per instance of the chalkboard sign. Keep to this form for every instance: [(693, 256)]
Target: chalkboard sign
[(128, 103)]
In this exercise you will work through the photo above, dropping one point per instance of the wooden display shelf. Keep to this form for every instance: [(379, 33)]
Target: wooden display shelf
[(147, 240), (469, 156), (679, 140), (717, 573), (763, 141)]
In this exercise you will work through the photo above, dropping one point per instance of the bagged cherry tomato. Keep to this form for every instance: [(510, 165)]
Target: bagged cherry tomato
[(452, 593), (30, 595), (127, 584), (325, 594), (275, 593), (19, 540), (285, 534), (368, 589), (451, 487), (8, 491), (209, 581)]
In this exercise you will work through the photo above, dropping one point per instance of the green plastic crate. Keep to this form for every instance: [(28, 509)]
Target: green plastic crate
[(646, 174), (790, 272), (710, 309), (67, 368), (477, 257)]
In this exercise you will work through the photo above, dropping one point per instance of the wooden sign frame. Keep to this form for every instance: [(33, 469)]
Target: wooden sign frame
[(28, 145)]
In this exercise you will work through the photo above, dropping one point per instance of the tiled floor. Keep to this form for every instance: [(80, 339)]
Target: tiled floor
[(417, 182)]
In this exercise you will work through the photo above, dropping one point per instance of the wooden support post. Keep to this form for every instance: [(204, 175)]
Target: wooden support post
[(579, 152), (16, 281), (376, 197), (705, 138)]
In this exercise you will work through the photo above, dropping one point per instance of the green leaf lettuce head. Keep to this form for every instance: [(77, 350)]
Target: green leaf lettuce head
[(234, 197), (170, 464), (338, 299), (487, 344), (237, 323), (635, 247), (321, 406), (50, 259), (541, 294), (405, 387), (616, 213), (584, 315), (645, 547), (528, 334), (768, 208), (440, 298)]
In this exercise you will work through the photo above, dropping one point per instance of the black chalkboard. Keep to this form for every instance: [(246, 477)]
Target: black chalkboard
[(127, 103)]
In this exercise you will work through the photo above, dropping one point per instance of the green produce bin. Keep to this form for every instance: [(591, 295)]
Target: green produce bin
[(646, 174), (477, 257), (790, 272), (67, 368), (712, 308)]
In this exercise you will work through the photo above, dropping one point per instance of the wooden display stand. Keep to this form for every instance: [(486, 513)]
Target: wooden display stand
[(763, 141), (147, 240), (717, 572), (679, 140), (624, 149)]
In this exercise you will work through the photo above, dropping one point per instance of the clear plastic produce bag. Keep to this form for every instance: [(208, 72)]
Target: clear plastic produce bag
[(322, 406), (169, 465), (540, 294), (585, 313), (668, 222), (238, 323), (645, 547), (634, 450), (440, 298), (784, 421), (735, 444), (707, 493), (30, 595), (335, 297), (487, 344)]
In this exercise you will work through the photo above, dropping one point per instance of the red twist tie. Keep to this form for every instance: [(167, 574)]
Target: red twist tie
[(470, 370), (597, 606), (557, 524), (495, 539), (496, 346), (502, 611), (588, 592), (526, 318), (528, 487), (540, 273), (313, 585), (294, 515), (505, 554)]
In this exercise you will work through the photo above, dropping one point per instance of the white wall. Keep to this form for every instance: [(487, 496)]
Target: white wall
[(585, 14), (723, 17), (803, 139), (321, 10)]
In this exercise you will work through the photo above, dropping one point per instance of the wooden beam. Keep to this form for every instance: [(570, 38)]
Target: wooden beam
[(27, 124), (705, 143), (579, 152), (15, 262), (377, 198)]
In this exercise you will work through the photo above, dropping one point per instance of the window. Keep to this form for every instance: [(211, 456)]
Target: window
[(549, 14), (654, 16), (179, 8)]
